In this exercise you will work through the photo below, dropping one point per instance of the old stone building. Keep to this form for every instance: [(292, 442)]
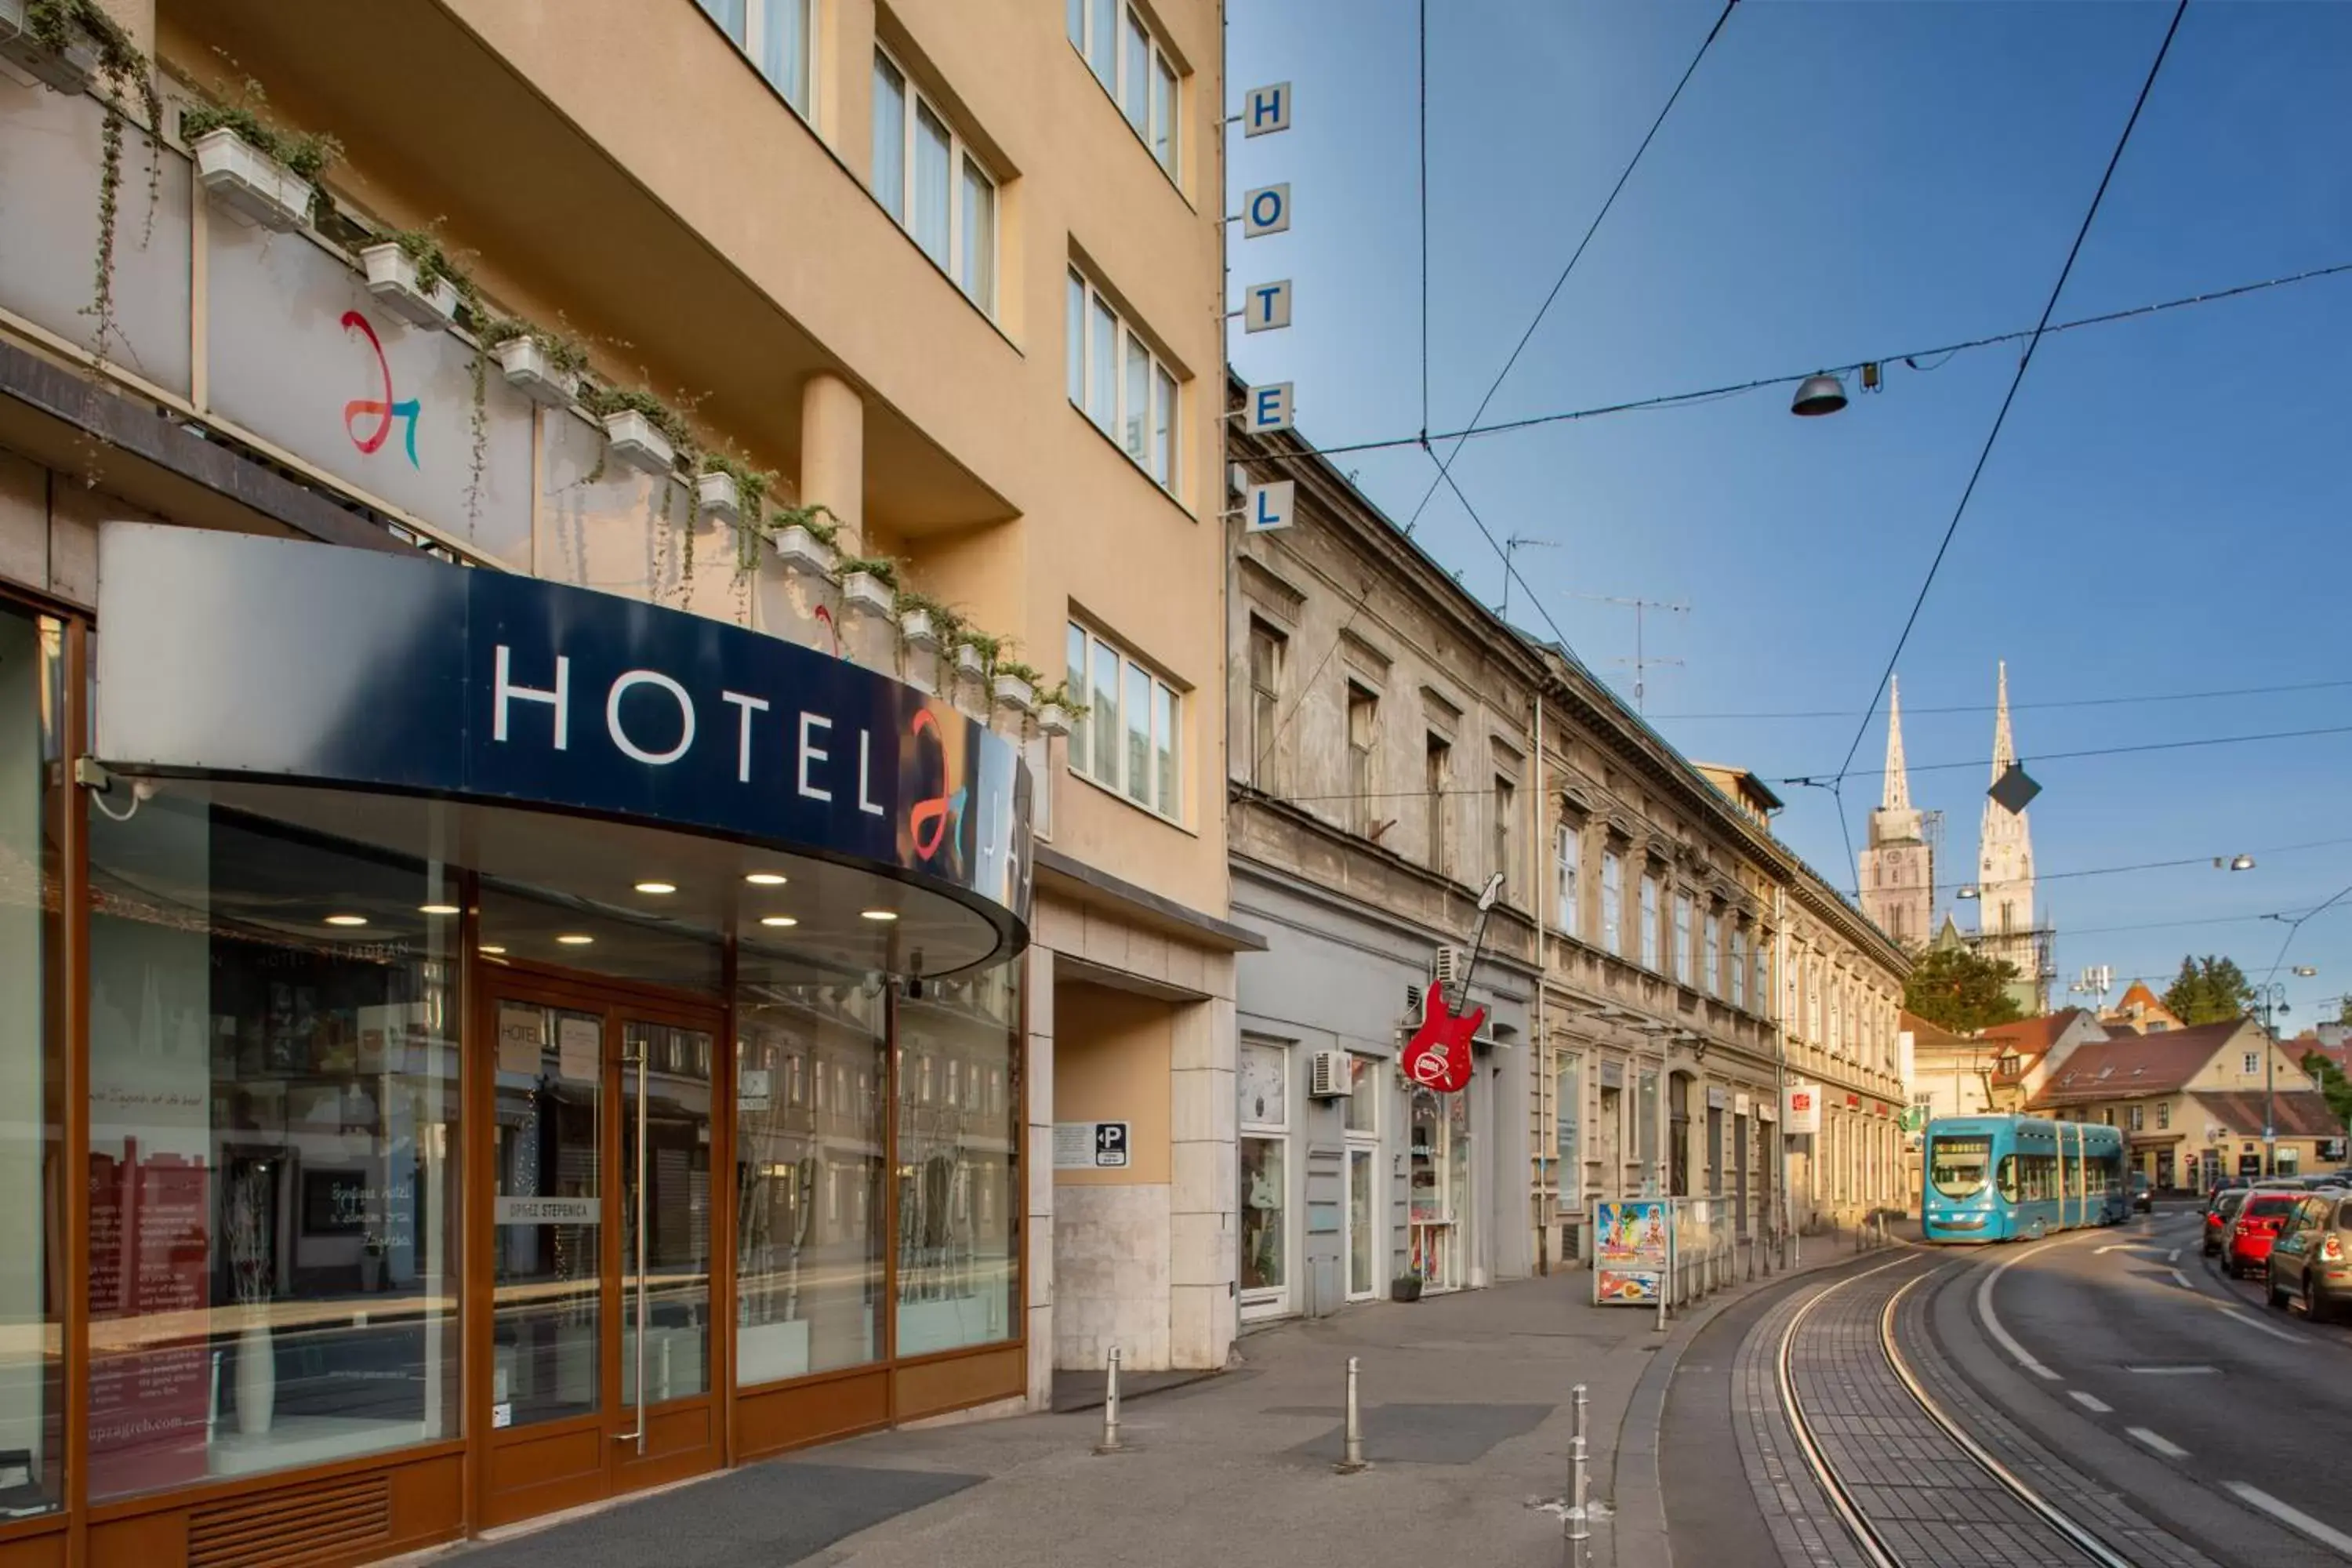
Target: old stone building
[(1394, 745)]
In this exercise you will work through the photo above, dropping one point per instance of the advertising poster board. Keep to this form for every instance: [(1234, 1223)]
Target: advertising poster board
[(1630, 1251)]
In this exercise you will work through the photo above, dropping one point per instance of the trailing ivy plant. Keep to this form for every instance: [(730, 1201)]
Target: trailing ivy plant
[(602, 402), (945, 622), (1059, 696), (565, 354), (986, 646), (769, 526), (306, 154), (54, 25)]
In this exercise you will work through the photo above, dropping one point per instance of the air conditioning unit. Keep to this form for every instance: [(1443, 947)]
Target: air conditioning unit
[(1448, 969), (1327, 1076)]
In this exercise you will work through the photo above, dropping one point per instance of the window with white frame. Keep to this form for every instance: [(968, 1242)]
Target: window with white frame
[(1126, 57), (1711, 955), (1683, 944), (1118, 381), (777, 36), (1567, 858), (1131, 740), (1650, 924), (1613, 903), (932, 183), (1739, 966)]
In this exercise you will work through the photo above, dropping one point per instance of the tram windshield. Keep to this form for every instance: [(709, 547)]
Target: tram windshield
[(1958, 1166)]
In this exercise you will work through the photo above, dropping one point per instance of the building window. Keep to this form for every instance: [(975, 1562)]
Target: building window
[(272, 1187), (776, 36), (1121, 385), (1650, 933), (1739, 966), (1132, 736), (2251, 1065), (1566, 853), (1506, 806), (1685, 947), (1436, 780), (33, 1112), (1613, 903), (1264, 1086), (930, 181), (1763, 971), (1367, 1208), (2164, 1117), (1814, 1004), (1568, 1110), (1124, 54), (1266, 649), (1363, 775), (2135, 1115), (1711, 955)]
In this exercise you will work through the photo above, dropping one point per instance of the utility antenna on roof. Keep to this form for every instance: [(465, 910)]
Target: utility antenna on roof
[(1641, 661)]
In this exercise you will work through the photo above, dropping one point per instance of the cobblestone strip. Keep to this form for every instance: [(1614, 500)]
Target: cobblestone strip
[(2096, 1508)]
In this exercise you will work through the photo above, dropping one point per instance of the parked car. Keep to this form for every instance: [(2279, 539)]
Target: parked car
[(2257, 1227), (2312, 1259), (2143, 1195), (2219, 1211)]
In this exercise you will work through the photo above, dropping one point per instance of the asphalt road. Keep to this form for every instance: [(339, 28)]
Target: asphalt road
[(2124, 1351)]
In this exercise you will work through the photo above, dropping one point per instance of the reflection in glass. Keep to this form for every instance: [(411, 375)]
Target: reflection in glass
[(979, 276), (547, 1214), (889, 138), (1139, 733), (1361, 1237), (932, 182), (959, 1118), (673, 1192), (784, 50), (1104, 717), (808, 1180), (1262, 1188), (272, 1190), (1138, 398), (32, 997)]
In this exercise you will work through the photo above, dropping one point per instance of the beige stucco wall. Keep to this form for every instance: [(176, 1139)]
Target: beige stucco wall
[(1112, 1065)]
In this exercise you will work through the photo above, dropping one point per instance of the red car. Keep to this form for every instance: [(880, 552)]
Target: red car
[(2248, 1250)]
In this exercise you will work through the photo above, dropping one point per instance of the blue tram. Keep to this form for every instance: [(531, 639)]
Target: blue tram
[(2010, 1178)]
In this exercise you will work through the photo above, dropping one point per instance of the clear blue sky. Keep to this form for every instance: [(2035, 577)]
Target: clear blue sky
[(2168, 508)]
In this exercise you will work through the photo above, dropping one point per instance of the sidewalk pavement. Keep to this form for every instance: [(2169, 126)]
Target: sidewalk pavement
[(1468, 1413)]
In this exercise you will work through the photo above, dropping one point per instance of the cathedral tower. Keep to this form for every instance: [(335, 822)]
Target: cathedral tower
[(1899, 867), (2005, 923)]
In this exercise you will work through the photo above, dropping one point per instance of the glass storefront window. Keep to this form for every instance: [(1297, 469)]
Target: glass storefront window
[(31, 1073), (1363, 1102), (273, 1163), (955, 1170), (808, 1180), (1262, 1189), (548, 1214), (674, 1203)]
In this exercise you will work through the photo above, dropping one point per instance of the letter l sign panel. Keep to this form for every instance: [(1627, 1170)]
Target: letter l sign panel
[(1266, 508)]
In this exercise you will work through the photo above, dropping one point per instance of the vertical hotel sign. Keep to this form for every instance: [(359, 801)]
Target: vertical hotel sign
[(1266, 506)]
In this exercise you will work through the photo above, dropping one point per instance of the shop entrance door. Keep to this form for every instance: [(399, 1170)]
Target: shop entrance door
[(594, 1228)]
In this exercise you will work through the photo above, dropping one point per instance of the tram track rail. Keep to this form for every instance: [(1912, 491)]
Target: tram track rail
[(1884, 1542)]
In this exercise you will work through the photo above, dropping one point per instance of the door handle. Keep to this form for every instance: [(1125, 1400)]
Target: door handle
[(637, 1434)]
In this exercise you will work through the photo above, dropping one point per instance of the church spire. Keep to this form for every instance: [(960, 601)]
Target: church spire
[(2004, 748), (1896, 792)]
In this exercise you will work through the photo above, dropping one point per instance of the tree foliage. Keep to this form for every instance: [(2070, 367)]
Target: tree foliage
[(2208, 990), (1962, 990), (2332, 1083)]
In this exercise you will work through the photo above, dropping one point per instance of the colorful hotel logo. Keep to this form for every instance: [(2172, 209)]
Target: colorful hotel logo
[(382, 411)]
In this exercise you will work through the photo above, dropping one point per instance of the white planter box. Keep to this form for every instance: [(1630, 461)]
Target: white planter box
[(392, 278), (1053, 719), (68, 71), (1016, 693), (863, 591), (916, 629), (524, 362), (969, 662), (250, 182), (718, 495), (797, 547), (637, 444)]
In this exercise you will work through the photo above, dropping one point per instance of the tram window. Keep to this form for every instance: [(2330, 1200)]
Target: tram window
[(1959, 1168), (2008, 1177)]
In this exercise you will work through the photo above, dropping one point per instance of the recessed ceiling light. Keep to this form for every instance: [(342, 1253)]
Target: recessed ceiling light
[(493, 952), (765, 879), (347, 920), (437, 909), (575, 939), (778, 921), (657, 887), (878, 914)]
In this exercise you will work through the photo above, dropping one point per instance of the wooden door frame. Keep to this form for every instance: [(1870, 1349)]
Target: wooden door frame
[(617, 1003)]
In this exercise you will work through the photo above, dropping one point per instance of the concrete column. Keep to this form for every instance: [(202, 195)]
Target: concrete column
[(1203, 1203), (832, 453)]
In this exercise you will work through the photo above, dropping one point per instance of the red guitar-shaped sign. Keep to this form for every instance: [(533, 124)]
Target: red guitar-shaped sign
[(1438, 1055)]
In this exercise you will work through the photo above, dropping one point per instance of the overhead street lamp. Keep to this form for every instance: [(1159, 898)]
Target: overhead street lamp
[(1819, 395)]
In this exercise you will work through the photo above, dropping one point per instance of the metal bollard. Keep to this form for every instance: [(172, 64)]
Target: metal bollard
[(1580, 1527), (1352, 1455), (1110, 1444)]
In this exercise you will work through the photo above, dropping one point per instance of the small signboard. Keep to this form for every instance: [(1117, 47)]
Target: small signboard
[(1090, 1145), (546, 1211), (1630, 1251)]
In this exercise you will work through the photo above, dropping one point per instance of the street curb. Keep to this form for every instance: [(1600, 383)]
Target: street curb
[(1638, 1538)]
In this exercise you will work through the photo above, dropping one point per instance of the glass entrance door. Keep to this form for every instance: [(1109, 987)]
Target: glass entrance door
[(600, 1246)]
